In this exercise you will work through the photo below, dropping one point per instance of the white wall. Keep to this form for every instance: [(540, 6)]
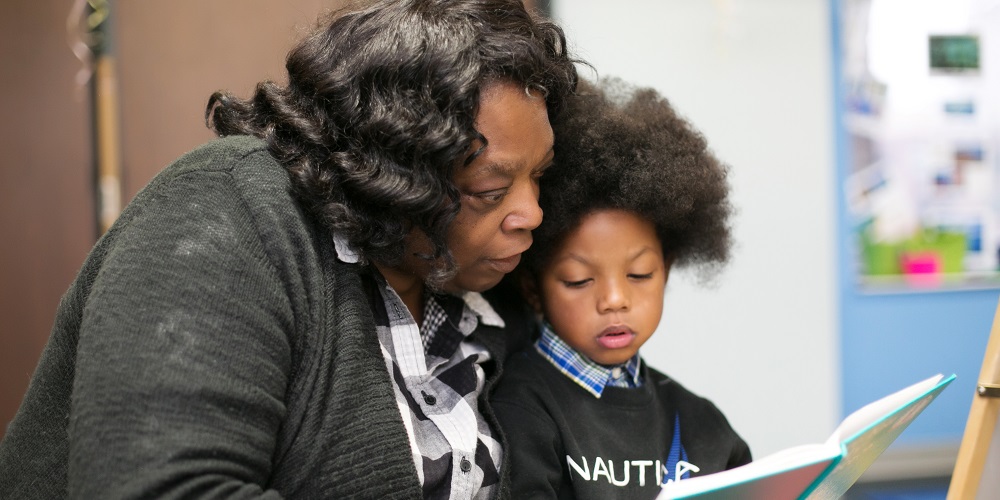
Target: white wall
[(755, 78)]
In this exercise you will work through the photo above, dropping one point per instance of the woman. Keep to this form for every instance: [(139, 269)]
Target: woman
[(293, 310)]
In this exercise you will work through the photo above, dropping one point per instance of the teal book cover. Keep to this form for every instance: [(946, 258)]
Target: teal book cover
[(822, 471)]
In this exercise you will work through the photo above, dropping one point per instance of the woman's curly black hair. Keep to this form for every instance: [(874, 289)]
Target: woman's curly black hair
[(620, 147), (379, 111)]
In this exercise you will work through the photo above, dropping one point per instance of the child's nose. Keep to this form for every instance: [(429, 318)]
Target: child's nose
[(614, 297)]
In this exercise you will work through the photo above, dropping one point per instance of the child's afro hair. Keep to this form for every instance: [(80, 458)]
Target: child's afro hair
[(620, 147)]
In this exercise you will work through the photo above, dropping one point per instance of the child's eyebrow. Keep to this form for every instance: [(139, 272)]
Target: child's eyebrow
[(640, 252)]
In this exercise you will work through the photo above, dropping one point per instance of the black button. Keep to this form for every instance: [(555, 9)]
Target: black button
[(465, 465), (429, 398)]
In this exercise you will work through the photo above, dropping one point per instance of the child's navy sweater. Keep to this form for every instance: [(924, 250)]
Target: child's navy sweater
[(565, 443)]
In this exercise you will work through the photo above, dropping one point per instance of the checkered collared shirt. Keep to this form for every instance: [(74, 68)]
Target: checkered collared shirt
[(582, 370), (438, 376)]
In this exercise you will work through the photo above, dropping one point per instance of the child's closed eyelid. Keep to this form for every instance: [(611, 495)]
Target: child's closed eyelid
[(575, 283)]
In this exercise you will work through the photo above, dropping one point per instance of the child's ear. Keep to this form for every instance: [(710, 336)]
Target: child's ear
[(529, 289)]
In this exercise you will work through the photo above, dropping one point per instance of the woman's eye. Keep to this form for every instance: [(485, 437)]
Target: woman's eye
[(576, 284), (537, 174), (492, 197)]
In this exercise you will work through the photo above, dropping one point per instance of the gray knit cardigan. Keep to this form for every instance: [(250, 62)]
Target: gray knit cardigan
[(212, 346)]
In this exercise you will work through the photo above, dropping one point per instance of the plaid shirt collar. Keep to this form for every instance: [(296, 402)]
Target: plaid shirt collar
[(472, 300), (581, 369)]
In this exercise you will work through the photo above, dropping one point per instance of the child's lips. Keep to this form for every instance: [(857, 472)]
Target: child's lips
[(616, 337)]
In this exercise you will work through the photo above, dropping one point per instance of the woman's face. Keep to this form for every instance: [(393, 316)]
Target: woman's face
[(499, 188)]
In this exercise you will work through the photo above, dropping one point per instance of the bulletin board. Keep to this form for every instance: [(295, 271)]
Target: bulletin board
[(923, 136)]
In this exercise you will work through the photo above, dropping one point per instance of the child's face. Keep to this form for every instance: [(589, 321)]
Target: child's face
[(603, 289)]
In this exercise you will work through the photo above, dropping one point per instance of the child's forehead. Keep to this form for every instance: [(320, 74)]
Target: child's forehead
[(603, 229), (609, 219)]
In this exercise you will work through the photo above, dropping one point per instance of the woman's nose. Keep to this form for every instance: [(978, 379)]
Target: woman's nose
[(525, 213)]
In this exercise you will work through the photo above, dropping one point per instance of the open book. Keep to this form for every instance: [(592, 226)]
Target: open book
[(818, 471)]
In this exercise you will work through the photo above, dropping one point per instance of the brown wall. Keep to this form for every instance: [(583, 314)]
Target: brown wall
[(170, 57), (46, 218), (173, 55)]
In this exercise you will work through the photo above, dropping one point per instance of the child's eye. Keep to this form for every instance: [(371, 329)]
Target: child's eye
[(576, 284), (641, 277)]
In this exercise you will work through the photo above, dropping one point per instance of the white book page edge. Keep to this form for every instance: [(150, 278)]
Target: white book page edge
[(864, 417)]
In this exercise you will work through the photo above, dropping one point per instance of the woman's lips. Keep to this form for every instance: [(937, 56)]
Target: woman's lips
[(616, 337), (506, 265)]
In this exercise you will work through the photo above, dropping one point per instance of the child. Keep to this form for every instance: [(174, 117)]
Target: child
[(634, 190)]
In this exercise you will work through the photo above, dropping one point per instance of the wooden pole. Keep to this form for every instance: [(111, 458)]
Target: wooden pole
[(107, 143), (106, 118), (980, 427)]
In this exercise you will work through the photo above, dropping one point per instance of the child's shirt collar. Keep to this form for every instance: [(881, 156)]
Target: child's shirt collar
[(581, 369)]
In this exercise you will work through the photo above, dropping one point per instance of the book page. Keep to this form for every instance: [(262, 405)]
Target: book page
[(871, 413), (822, 471), (879, 424), (782, 475)]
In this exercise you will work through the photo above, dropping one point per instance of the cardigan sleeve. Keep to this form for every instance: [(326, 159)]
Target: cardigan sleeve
[(184, 354)]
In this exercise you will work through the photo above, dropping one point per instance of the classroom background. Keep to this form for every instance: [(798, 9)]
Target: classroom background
[(862, 135)]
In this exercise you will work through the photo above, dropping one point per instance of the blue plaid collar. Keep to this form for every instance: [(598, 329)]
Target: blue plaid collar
[(581, 369)]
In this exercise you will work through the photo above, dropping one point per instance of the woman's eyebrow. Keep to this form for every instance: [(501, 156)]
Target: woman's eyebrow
[(506, 168), (502, 168), (549, 158)]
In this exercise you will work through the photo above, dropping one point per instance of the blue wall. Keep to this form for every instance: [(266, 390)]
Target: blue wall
[(889, 341)]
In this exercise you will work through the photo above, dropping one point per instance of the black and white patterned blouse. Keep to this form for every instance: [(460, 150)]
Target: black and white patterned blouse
[(437, 375)]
